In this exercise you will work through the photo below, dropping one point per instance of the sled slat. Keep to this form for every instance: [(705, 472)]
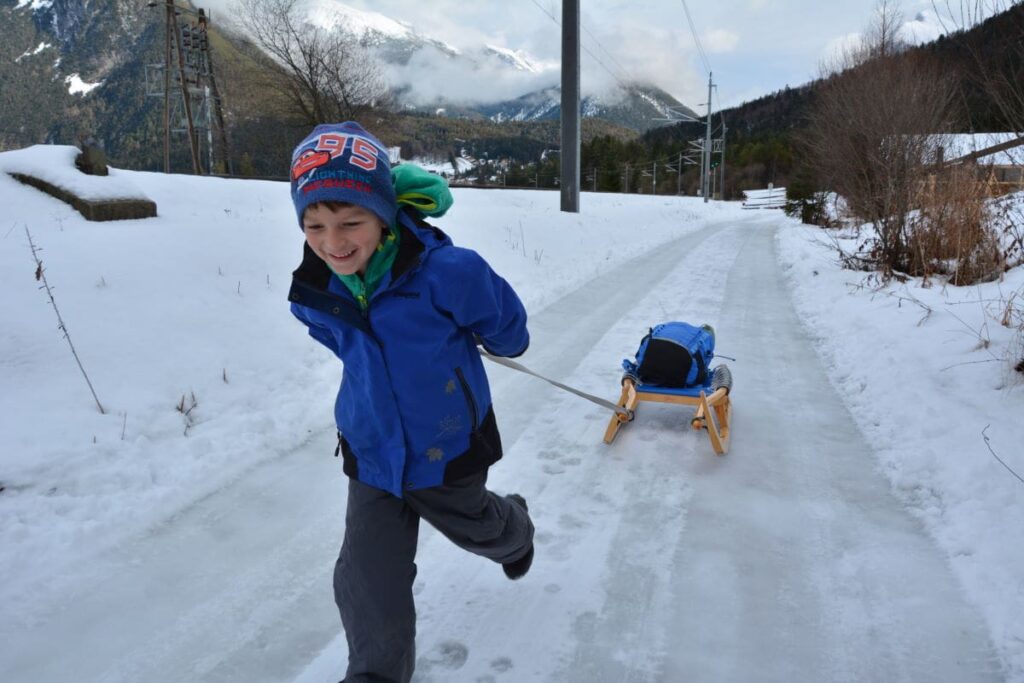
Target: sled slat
[(713, 412)]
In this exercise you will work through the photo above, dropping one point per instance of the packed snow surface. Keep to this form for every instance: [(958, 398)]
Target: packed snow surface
[(858, 529)]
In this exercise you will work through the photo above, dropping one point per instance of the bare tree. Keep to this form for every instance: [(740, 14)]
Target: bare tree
[(325, 75), (995, 65), (998, 61), (875, 131), (882, 37)]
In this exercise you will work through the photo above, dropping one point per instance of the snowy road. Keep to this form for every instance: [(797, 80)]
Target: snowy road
[(786, 560)]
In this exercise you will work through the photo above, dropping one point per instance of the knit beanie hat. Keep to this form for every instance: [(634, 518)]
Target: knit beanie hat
[(342, 162)]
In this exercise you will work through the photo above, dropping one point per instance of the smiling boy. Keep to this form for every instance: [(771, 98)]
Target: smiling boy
[(403, 309), (345, 237)]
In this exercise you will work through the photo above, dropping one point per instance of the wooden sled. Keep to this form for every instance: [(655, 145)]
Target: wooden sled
[(714, 409)]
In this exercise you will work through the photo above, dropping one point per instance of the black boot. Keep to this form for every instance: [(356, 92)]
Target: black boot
[(517, 569)]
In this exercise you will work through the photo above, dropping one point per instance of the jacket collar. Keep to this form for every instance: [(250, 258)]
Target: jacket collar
[(418, 238)]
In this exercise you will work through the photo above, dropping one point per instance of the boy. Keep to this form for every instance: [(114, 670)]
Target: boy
[(404, 310)]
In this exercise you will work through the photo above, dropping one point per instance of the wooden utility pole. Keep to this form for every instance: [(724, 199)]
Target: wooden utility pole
[(570, 148)]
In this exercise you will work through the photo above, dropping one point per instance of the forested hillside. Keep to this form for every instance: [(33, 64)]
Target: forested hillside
[(763, 135)]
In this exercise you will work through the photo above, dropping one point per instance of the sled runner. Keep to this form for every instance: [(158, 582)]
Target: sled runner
[(671, 366)]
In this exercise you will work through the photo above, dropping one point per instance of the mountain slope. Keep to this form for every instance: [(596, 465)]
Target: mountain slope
[(68, 71)]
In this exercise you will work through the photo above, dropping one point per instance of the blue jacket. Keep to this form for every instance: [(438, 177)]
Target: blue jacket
[(414, 407)]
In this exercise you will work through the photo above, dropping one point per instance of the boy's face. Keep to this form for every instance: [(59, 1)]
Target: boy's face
[(345, 238)]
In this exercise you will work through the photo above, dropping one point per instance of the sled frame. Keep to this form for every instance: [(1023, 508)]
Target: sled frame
[(713, 414)]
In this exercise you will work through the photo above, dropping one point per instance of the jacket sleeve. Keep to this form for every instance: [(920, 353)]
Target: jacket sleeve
[(318, 332), (481, 301)]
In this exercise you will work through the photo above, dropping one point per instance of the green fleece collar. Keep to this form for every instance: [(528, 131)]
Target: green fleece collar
[(363, 286), (427, 193)]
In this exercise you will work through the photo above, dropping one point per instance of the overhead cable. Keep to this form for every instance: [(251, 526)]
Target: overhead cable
[(552, 17), (696, 38)]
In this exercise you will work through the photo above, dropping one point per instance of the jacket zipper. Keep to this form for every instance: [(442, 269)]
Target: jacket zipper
[(469, 396)]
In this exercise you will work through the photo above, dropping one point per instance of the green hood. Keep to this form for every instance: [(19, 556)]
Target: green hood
[(428, 194)]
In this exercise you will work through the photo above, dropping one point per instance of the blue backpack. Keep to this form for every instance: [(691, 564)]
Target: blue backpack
[(674, 354)]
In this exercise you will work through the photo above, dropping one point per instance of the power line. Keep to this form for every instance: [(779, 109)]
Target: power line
[(696, 38), (718, 102), (553, 18), (610, 55)]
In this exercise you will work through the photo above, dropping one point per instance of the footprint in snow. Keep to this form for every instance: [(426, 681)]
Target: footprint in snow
[(543, 537), (571, 461), (501, 664), (570, 522), (449, 654), (560, 552), (553, 469), (552, 588), (549, 455)]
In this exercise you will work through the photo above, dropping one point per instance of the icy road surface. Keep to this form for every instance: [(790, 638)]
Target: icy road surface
[(786, 560)]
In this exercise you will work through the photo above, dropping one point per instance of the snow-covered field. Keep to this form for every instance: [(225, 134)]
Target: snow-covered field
[(141, 515)]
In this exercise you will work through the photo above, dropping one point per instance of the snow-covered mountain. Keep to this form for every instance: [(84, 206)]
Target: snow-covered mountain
[(397, 41), (517, 59), (56, 56), (496, 82), (71, 68), (641, 107)]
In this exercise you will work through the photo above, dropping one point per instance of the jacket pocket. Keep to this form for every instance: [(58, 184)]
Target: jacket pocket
[(470, 401)]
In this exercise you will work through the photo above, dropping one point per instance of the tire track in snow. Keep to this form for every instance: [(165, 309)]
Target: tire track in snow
[(592, 608), (249, 611), (803, 565)]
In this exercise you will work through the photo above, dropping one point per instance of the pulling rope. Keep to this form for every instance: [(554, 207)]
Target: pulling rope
[(582, 394)]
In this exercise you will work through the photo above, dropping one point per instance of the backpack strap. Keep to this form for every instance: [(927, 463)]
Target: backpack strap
[(702, 368)]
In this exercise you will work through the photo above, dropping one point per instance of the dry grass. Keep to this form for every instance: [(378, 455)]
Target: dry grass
[(952, 234)]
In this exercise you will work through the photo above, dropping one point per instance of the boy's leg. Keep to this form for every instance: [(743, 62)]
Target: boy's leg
[(373, 586), (475, 519)]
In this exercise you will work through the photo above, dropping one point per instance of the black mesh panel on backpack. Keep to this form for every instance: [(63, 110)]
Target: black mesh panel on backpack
[(665, 363)]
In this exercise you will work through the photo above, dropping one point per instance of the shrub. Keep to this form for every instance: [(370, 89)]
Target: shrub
[(952, 232)]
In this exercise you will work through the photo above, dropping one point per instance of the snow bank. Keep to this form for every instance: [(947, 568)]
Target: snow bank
[(927, 374)]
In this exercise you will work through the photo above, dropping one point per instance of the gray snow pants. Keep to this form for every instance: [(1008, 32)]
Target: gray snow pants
[(376, 567)]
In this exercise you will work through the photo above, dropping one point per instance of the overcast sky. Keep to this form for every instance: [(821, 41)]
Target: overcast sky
[(754, 47)]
